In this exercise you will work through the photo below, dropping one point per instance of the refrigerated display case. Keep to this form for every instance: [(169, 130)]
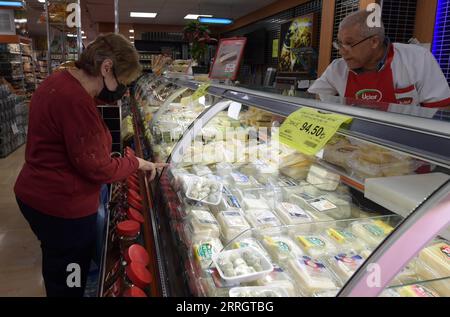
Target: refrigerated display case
[(238, 213)]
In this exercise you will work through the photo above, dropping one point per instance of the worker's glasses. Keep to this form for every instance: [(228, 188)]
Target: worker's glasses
[(338, 45)]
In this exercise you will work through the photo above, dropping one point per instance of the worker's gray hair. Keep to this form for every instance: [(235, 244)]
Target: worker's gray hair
[(360, 18)]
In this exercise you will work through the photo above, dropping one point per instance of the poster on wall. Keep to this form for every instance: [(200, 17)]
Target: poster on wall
[(298, 39), (228, 58)]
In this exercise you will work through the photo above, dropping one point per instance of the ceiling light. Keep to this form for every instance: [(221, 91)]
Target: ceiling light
[(84, 37), (16, 4), (143, 15), (196, 16), (82, 32), (131, 31), (215, 20), (20, 20), (41, 1), (71, 35)]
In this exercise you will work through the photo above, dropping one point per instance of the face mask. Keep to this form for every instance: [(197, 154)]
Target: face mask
[(109, 96)]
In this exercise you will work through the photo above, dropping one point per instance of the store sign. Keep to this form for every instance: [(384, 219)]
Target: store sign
[(309, 130), (74, 18), (228, 59)]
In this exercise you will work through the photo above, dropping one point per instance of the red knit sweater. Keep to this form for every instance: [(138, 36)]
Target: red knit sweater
[(67, 157)]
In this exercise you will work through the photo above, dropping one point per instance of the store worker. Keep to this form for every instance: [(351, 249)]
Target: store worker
[(68, 158), (373, 69)]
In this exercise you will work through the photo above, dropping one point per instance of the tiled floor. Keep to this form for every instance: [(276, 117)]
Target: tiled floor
[(20, 254)]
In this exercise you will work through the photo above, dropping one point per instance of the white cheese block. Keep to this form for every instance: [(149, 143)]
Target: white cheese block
[(262, 218), (371, 232), (344, 265), (203, 224), (292, 214), (281, 248), (315, 245), (204, 249), (322, 178), (233, 223), (255, 204), (311, 275), (345, 239), (437, 257)]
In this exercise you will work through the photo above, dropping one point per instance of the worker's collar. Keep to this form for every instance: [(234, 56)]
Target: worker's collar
[(387, 45)]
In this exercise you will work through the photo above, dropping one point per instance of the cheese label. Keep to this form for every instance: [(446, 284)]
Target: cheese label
[(340, 235), (311, 263), (295, 211), (386, 228), (204, 251), (266, 217), (309, 130), (309, 242), (374, 230), (322, 205), (446, 251), (353, 261), (240, 178)]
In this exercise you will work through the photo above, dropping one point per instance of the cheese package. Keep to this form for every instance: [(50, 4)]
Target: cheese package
[(292, 214), (262, 218), (210, 289), (262, 170), (319, 208), (281, 248), (339, 153), (249, 203), (416, 290), (344, 265), (437, 257), (202, 224), (233, 223), (224, 169), (345, 239), (244, 242), (243, 181), (322, 178), (297, 171), (312, 275), (228, 201), (343, 211), (441, 284), (315, 245), (201, 170), (373, 232), (279, 277), (188, 205), (204, 249)]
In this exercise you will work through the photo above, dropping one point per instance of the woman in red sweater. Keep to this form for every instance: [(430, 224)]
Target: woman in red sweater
[(67, 158)]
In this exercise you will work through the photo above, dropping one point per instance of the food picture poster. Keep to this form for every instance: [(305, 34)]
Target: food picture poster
[(296, 37), (228, 58)]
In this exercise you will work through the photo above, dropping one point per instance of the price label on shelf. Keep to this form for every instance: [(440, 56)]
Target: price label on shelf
[(200, 92), (308, 130)]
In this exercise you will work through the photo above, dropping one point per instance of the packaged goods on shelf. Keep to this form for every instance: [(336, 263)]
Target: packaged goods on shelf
[(373, 232), (232, 223), (281, 247)]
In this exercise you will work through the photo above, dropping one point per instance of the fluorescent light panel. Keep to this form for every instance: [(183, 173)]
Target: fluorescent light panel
[(191, 16), (143, 15), (131, 31), (215, 20), (16, 4)]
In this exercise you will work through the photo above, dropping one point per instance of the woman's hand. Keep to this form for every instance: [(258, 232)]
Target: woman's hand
[(147, 166)]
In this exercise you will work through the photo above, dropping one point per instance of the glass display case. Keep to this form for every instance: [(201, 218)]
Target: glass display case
[(242, 214)]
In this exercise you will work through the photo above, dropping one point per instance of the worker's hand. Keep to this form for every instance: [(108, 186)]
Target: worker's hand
[(147, 166)]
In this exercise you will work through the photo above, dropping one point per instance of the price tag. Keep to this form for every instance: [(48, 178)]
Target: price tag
[(201, 91), (308, 130), (14, 128), (234, 109)]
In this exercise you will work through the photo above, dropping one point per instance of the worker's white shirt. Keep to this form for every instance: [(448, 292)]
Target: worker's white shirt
[(416, 73)]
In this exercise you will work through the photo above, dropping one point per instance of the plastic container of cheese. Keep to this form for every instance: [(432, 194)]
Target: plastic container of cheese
[(292, 214), (281, 247), (244, 242), (201, 170), (249, 203), (344, 265), (372, 232), (243, 181), (204, 190), (202, 223), (345, 239), (262, 218), (204, 249), (233, 223), (279, 278), (242, 265), (312, 275), (322, 178), (315, 245)]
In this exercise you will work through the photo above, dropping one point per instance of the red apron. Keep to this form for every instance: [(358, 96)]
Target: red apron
[(373, 87)]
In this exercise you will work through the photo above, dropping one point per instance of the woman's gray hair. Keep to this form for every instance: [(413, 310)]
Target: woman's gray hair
[(360, 18)]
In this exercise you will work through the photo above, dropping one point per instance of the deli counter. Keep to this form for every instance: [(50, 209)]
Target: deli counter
[(239, 213)]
